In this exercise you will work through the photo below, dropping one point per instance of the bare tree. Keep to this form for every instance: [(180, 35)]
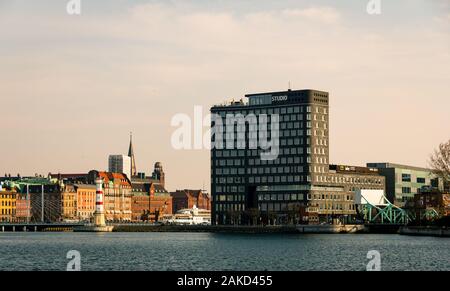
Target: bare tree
[(440, 161)]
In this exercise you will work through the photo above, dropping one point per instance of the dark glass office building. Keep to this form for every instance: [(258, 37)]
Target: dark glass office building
[(248, 188)]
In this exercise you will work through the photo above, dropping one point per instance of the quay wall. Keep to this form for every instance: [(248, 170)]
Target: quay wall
[(425, 231)]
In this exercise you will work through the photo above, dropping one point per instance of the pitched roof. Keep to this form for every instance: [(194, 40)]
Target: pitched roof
[(187, 192), (160, 189), (115, 177)]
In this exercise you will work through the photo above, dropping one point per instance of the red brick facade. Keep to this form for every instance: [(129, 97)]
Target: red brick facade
[(182, 199), (150, 202)]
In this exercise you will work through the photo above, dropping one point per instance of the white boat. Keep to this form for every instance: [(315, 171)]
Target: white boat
[(187, 216)]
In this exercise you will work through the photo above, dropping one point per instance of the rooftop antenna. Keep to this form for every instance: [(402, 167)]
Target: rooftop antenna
[(289, 85)]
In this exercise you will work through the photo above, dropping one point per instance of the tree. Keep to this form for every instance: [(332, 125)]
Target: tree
[(440, 161)]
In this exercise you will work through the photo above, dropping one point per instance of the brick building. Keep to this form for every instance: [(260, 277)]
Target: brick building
[(186, 198), (22, 207), (430, 198), (149, 202)]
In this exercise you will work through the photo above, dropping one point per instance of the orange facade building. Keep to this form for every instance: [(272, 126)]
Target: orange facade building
[(117, 195), (85, 201)]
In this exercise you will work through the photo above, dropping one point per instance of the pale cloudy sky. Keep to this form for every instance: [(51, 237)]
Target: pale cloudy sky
[(73, 87)]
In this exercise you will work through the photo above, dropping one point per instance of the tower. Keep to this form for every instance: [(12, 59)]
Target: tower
[(99, 214), (120, 164), (131, 155), (292, 164), (158, 174)]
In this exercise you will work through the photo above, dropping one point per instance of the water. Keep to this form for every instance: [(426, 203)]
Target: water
[(208, 251)]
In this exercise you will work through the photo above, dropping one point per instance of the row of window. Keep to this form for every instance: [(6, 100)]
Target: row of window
[(407, 190), (8, 211), (256, 152), (7, 196), (348, 180), (234, 128), (337, 206), (280, 207), (229, 207), (278, 179), (263, 179), (279, 161), (260, 171), (336, 197), (240, 120), (407, 178), (277, 110), (230, 189), (281, 197)]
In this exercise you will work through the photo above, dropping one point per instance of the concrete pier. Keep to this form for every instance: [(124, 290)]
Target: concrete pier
[(349, 228), (425, 231)]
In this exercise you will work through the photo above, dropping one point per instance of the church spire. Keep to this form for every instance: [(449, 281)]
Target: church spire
[(131, 155)]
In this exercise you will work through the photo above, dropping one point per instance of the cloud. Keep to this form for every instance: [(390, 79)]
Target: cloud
[(443, 19), (103, 74), (327, 15)]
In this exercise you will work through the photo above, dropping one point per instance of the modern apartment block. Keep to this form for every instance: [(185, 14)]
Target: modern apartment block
[(242, 181), (403, 182)]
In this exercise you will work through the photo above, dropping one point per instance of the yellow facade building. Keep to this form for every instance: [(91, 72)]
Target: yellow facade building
[(7, 206), (69, 203)]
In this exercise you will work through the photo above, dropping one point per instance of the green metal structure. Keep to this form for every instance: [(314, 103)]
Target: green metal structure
[(430, 214), (387, 213)]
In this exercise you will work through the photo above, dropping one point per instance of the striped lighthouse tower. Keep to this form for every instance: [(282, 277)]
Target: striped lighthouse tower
[(99, 214)]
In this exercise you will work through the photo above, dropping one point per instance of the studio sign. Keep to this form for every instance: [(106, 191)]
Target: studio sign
[(279, 98)]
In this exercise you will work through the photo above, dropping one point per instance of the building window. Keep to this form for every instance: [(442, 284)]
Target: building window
[(406, 190), (406, 177), (421, 180)]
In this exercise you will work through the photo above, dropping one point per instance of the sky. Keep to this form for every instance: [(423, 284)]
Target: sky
[(72, 87)]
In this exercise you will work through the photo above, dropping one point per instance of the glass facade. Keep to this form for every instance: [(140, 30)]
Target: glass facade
[(243, 183)]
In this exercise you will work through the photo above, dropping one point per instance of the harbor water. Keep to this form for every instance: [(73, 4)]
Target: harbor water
[(24, 251)]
